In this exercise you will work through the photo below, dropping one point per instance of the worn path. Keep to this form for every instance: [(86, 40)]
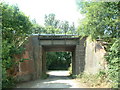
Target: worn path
[(56, 79)]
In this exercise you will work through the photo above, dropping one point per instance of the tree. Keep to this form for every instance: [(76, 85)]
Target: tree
[(50, 20), (15, 29), (102, 21), (55, 26), (113, 58), (65, 26), (72, 29), (36, 28)]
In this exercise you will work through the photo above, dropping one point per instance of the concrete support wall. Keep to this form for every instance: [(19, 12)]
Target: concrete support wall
[(37, 55), (94, 57), (77, 60), (40, 61), (82, 49), (80, 57), (43, 61), (73, 63)]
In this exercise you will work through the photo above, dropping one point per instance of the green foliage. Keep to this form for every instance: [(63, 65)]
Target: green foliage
[(113, 58), (58, 60), (102, 21), (15, 28), (51, 30), (7, 81), (53, 26), (50, 20), (36, 28)]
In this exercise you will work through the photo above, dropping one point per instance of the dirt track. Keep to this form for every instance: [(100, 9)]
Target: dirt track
[(56, 79)]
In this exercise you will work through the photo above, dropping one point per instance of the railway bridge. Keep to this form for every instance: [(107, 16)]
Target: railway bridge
[(83, 57)]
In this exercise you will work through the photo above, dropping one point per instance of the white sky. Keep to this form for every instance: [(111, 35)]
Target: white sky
[(63, 9)]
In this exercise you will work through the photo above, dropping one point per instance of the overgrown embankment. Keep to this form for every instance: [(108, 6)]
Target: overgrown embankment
[(98, 80), (15, 29), (102, 22)]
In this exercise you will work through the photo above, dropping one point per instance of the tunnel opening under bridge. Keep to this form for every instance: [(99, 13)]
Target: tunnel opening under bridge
[(58, 60), (77, 61), (64, 54)]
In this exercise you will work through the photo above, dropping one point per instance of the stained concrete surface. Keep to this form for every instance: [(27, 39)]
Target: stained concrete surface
[(56, 79)]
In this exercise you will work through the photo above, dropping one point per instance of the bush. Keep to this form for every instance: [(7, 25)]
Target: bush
[(113, 58), (15, 28)]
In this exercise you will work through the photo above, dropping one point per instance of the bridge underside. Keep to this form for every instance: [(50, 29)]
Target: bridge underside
[(59, 48)]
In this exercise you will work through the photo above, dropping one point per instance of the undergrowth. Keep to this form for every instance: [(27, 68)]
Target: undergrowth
[(99, 80)]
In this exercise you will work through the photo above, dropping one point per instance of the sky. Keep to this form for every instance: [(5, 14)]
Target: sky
[(36, 9)]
